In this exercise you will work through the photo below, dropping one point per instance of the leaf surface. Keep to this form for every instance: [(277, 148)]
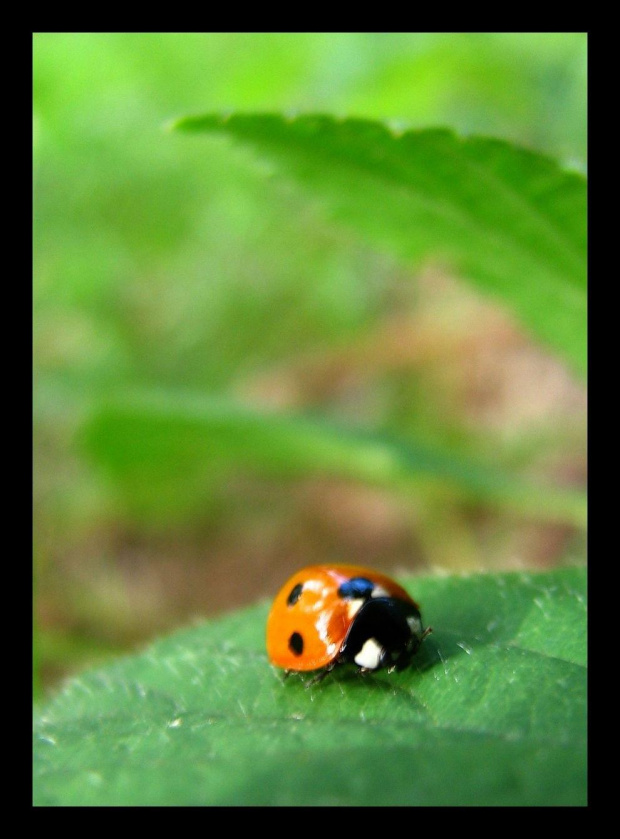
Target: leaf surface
[(492, 712)]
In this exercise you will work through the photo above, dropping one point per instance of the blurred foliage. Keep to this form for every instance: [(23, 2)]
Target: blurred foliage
[(165, 263), (509, 221)]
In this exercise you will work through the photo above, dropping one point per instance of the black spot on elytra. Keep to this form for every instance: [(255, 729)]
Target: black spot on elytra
[(296, 643), (295, 594)]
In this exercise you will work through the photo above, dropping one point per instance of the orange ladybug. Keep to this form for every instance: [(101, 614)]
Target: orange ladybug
[(326, 615)]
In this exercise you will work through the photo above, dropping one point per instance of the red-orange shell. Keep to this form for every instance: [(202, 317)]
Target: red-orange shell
[(321, 616)]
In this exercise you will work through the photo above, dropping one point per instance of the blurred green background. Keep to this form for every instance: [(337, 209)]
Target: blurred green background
[(163, 261)]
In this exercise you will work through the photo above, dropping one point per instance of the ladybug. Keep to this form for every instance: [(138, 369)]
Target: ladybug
[(327, 615)]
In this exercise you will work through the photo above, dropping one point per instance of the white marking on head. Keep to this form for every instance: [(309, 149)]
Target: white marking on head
[(353, 607), (379, 591), (415, 625), (370, 655)]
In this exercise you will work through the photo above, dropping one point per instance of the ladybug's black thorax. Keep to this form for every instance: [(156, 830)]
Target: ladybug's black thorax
[(383, 620)]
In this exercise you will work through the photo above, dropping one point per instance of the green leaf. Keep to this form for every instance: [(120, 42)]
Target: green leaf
[(492, 712), (162, 443), (507, 219)]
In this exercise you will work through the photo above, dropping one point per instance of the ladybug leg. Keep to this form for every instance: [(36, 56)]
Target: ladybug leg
[(322, 674), (426, 632), (404, 659)]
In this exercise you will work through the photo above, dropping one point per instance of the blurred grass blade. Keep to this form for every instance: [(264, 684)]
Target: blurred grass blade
[(507, 219), (164, 441)]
